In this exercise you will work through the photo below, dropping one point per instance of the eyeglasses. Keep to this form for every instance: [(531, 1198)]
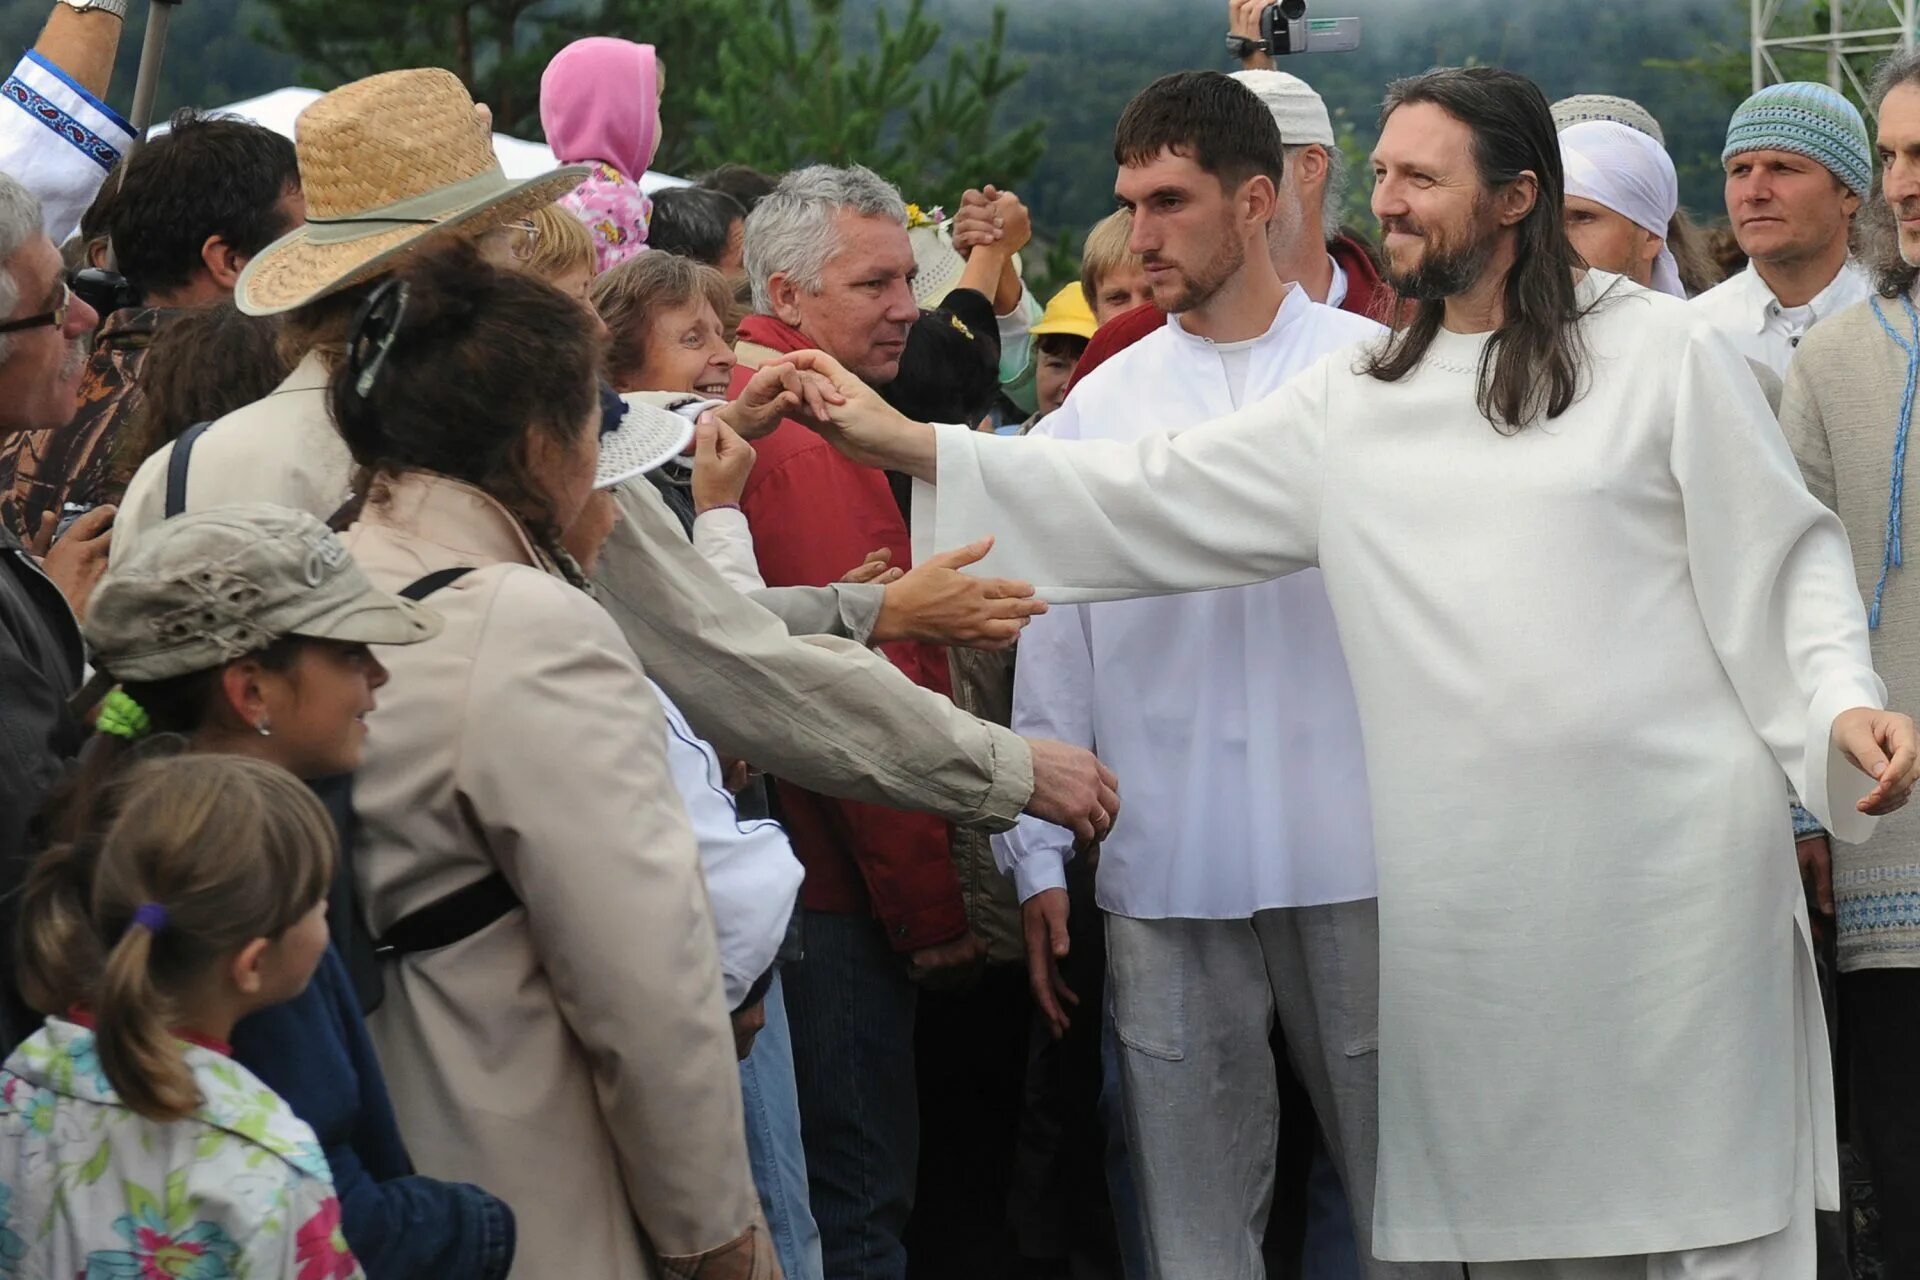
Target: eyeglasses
[(526, 242), (56, 317)]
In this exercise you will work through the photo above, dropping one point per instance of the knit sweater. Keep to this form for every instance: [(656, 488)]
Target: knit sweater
[(1840, 412)]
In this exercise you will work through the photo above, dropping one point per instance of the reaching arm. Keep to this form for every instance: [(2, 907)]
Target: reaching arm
[(82, 43), (58, 136)]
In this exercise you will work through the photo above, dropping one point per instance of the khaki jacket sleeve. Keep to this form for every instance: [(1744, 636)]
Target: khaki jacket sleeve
[(563, 763), (821, 712), (1806, 433), (847, 610)]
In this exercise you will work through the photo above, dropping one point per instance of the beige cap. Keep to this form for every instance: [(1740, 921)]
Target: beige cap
[(203, 589)]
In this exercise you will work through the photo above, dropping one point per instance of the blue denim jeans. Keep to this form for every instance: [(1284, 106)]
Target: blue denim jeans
[(771, 1101), (851, 1008)]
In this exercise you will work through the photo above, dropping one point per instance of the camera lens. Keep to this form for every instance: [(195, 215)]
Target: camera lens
[(1293, 10)]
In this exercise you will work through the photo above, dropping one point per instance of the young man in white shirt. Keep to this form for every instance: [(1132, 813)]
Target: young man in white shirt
[(1240, 890), (1798, 165), (1592, 616)]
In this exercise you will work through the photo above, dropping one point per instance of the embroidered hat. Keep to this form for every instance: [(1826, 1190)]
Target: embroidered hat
[(385, 162), (1297, 109), (203, 589), (1809, 120), (1582, 107)]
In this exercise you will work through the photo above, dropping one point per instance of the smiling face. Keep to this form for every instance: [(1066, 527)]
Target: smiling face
[(1785, 207), (317, 707), (1438, 222), (1185, 231), (686, 350), (865, 305), (1899, 146)]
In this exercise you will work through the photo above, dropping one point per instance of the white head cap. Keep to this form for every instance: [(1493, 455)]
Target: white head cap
[(1297, 109), (1628, 172)]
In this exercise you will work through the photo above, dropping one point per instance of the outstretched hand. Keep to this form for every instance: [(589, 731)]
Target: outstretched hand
[(779, 389), (856, 421), (937, 604), (1882, 745)]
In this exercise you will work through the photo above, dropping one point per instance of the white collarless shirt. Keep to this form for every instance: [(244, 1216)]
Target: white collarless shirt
[(1229, 715), (1744, 308)]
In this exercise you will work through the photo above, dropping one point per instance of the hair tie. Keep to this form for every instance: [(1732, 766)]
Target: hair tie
[(151, 915), (122, 717)]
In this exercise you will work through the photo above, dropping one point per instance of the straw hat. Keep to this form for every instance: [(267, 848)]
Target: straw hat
[(384, 162)]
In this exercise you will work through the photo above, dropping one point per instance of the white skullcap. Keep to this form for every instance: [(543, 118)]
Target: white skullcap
[(1297, 109), (1628, 172)]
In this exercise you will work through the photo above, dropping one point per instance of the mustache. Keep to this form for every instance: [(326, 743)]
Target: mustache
[(76, 359), (1908, 208), (1402, 226)]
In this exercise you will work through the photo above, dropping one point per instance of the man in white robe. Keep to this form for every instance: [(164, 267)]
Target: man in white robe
[(1241, 889), (1592, 616)]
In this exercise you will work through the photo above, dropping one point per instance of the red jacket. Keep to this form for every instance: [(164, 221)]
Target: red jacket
[(815, 515), (1367, 295)]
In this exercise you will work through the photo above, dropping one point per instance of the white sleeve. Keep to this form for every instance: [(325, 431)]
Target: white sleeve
[(753, 878), (1016, 336), (1230, 502), (724, 540), (1773, 574), (58, 140), (1052, 698)]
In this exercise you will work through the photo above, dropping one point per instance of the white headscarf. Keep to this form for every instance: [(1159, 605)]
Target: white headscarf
[(1631, 174)]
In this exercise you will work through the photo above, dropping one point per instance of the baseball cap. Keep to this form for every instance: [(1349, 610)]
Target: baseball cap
[(1067, 312), (203, 589)]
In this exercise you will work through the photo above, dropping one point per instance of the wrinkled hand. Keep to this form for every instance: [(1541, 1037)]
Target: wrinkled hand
[(1815, 855), (76, 562), (857, 422), (1072, 789), (748, 1023), (780, 389), (948, 964), (722, 461), (1882, 745), (937, 604), (991, 217), (877, 567), (1043, 919)]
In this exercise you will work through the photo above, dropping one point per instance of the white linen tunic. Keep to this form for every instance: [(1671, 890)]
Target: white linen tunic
[(1228, 714), (1584, 654)]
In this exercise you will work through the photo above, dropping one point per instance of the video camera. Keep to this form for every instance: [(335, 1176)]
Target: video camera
[(1285, 28)]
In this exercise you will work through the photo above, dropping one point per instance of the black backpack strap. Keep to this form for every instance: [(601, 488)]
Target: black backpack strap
[(177, 464), (448, 920), (421, 588)]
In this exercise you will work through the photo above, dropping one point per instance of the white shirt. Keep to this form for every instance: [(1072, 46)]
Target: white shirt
[(1228, 716), (57, 140), (1584, 654), (1744, 308), (1337, 291)]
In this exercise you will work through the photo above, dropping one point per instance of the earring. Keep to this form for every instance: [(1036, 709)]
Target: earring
[(264, 729)]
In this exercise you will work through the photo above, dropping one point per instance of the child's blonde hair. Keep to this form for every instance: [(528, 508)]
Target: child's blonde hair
[(561, 243), (1105, 253), (230, 849)]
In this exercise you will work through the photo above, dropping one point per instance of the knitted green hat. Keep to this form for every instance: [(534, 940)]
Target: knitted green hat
[(1809, 120)]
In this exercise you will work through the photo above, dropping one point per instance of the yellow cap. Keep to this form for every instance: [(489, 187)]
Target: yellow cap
[(1067, 312)]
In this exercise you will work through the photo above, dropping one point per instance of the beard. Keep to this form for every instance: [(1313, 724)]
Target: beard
[(1447, 267), (1200, 285)]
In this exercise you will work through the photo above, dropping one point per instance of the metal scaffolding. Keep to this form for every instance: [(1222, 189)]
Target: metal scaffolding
[(1855, 27)]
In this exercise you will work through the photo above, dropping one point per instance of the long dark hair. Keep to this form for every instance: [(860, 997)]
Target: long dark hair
[(1876, 230), (1533, 361)]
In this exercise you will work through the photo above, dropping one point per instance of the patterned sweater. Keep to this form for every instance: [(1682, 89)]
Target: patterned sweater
[(1840, 411)]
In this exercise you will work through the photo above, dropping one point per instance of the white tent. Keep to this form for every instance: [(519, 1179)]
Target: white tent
[(518, 157)]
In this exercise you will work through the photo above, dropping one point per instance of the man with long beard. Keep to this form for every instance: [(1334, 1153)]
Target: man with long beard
[(1848, 407), (1592, 616)]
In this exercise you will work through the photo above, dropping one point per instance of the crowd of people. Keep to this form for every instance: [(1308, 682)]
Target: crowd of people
[(548, 730)]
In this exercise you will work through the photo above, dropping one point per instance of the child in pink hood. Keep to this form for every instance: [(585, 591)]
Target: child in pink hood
[(600, 105)]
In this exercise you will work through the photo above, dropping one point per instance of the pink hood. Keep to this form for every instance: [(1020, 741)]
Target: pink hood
[(600, 101)]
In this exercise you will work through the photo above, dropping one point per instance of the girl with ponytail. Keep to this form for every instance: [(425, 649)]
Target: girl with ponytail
[(130, 1142)]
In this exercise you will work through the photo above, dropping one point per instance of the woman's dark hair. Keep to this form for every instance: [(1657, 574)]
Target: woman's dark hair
[(950, 370), (1532, 363), (463, 369), (744, 183), (202, 365), (1208, 117), (694, 223), (1692, 255)]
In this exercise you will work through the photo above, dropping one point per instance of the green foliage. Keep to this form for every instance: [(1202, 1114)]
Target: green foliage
[(789, 91)]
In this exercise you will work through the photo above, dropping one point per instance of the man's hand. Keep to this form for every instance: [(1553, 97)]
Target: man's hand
[(1072, 789), (948, 964), (991, 217), (1816, 874), (1243, 19), (780, 389), (857, 422), (748, 1023), (76, 562), (1882, 745), (936, 603), (722, 461), (877, 567), (1043, 919)]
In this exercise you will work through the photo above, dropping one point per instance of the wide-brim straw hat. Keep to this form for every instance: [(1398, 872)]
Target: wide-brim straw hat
[(384, 163)]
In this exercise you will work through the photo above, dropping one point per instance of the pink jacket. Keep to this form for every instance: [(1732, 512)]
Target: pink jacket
[(600, 105)]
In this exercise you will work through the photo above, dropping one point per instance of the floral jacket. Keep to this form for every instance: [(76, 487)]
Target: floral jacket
[(90, 1190)]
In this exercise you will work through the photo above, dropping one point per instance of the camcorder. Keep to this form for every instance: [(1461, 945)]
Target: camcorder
[(105, 291), (1286, 29)]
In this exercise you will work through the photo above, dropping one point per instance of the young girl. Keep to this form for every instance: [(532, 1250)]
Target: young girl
[(600, 105), (131, 1144)]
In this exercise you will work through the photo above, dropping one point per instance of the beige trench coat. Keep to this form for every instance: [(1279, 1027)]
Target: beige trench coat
[(574, 1057)]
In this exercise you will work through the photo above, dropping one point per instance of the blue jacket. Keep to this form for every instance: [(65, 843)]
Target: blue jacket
[(315, 1053)]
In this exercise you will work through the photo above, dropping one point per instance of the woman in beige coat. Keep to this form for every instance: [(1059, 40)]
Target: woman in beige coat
[(554, 1026)]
